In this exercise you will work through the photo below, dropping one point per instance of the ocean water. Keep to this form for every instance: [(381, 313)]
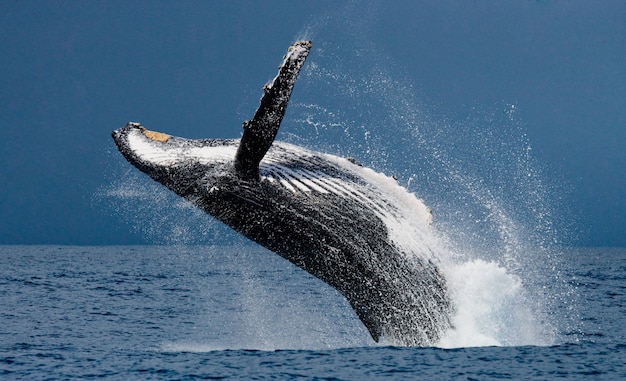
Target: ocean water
[(242, 312)]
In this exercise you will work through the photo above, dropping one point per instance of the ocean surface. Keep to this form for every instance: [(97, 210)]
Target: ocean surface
[(242, 312)]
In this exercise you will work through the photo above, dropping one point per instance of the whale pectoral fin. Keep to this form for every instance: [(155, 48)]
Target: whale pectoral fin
[(260, 131)]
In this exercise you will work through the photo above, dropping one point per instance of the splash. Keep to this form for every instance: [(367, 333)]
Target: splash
[(492, 309), (493, 206)]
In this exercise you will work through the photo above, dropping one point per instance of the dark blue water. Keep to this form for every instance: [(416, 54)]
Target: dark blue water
[(197, 312)]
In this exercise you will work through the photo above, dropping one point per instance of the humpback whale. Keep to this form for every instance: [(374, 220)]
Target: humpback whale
[(348, 225)]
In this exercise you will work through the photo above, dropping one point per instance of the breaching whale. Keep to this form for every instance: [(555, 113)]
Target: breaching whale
[(353, 228)]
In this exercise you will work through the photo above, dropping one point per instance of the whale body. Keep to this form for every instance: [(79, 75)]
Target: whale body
[(353, 228)]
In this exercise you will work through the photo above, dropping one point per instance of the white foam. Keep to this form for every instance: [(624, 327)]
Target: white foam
[(490, 308), (195, 347)]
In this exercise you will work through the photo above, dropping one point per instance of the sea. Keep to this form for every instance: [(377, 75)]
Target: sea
[(526, 306), (176, 312)]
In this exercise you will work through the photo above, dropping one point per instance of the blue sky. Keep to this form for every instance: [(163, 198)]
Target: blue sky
[(73, 71)]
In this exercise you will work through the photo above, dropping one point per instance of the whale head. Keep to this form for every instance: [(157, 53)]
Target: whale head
[(182, 165)]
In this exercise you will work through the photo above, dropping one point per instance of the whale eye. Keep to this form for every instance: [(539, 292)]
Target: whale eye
[(157, 136)]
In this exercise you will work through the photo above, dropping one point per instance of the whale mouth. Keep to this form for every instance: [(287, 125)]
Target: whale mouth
[(120, 136), (133, 140)]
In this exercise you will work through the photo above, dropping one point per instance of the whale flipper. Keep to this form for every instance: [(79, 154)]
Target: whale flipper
[(260, 131), (355, 229)]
